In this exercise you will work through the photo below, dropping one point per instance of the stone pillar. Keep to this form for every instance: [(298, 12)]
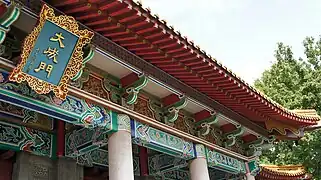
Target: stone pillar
[(198, 166), (120, 157), (30, 167), (249, 176), (68, 169)]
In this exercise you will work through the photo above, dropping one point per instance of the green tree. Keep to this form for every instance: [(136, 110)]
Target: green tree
[(296, 84)]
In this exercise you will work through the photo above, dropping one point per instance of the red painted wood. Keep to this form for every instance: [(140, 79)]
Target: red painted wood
[(6, 168), (60, 138), (202, 115), (170, 99), (227, 128), (129, 79), (143, 161), (3, 9), (249, 138)]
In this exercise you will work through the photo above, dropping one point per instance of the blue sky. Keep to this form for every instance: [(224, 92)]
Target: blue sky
[(242, 34)]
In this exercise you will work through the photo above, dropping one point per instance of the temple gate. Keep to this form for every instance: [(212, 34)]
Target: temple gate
[(103, 89)]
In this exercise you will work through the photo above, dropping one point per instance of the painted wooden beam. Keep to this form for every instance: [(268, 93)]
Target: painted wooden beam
[(19, 138), (72, 110)]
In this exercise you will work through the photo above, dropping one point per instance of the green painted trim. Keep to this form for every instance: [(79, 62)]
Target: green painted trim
[(161, 141), (7, 146), (19, 138), (14, 15), (254, 167), (133, 90), (7, 20), (223, 162), (173, 110), (231, 136), (85, 60), (2, 36), (114, 121), (204, 126), (37, 102)]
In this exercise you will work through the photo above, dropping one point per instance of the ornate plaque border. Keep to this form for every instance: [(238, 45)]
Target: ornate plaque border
[(74, 65)]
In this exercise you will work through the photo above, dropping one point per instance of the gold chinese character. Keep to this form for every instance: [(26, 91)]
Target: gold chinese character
[(52, 53), (48, 70), (58, 37), (42, 66)]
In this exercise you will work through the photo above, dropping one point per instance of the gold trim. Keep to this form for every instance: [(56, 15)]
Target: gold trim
[(281, 127), (284, 170), (74, 65)]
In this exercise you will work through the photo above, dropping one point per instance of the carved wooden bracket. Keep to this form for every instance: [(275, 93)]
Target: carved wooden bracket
[(133, 83), (172, 105)]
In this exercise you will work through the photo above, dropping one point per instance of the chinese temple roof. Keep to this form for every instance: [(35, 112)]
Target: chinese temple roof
[(135, 28), (283, 172)]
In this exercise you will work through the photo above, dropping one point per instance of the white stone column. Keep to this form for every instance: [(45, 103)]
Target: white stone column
[(120, 157), (249, 176), (198, 166)]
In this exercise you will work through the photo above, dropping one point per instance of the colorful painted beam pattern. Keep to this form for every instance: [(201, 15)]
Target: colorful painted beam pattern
[(157, 140), (163, 162), (19, 138), (99, 157), (71, 110), (24, 116), (225, 163), (84, 140)]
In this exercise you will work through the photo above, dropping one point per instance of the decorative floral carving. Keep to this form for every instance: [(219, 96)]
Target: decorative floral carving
[(190, 124), (217, 134), (95, 86), (210, 138), (78, 83), (11, 109), (237, 147), (142, 107), (37, 120), (180, 124), (128, 106), (157, 109)]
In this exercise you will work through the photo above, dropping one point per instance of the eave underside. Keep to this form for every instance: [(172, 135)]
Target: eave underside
[(134, 28)]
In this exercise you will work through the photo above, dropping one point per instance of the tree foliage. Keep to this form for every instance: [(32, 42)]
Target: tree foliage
[(296, 84)]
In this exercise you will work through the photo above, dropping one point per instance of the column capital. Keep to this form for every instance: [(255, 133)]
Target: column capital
[(199, 151), (123, 121)]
